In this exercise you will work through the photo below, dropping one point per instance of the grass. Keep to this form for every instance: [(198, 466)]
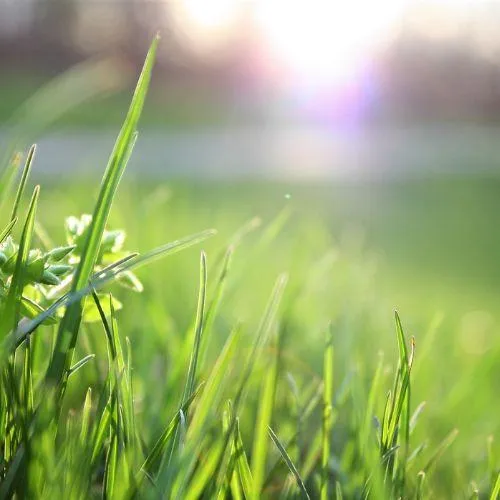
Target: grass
[(261, 362)]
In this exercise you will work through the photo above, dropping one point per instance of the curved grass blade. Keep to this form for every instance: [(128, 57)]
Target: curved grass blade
[(152, 462), (80, 363), (289, 464), (8, 229), (198, 330), (22, 183), (69, 326), (14, 296)]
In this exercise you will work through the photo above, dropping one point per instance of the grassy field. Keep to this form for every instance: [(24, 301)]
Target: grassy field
[(270, 365)]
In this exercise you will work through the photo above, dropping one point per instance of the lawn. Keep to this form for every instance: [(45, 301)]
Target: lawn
[(269, 365)]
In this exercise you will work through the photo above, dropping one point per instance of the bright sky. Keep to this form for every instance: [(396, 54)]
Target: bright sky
[(323, 40)]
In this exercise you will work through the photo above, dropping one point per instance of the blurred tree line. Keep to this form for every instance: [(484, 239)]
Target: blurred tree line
[(418, 77)]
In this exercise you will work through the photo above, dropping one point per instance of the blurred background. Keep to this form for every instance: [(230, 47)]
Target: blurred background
[(302, 89), (379, 117)]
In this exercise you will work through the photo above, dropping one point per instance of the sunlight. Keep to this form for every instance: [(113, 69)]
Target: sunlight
[(322, 41), (207, 23)]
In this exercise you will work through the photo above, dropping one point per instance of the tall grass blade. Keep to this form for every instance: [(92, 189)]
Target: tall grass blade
[(495, 492), (244, 472), (152, 462), (264, 415), (69, 326), (13, 301), (22, 183), (289, 464), (198, 330), (327, 413)]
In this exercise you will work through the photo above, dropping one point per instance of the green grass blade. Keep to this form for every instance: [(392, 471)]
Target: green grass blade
[(7, 230), (289, 463), (261, 440), (100, 431), (263, 332), (420, 485), (327, 413), (14, 297), (215, 302), (8, 177), (22, 183), (80, 364), (445, 444), (198, 330), (204, 472), (153, 460), (338, 491), (207, 403), (87, 408), (242, 465), (209, 396), (495, 492), (69, 326)]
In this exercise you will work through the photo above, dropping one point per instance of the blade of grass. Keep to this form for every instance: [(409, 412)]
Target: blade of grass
[(289, 464), (13, 301), (69, 326), (244, 472), (22, 183), (152, 462), (260, 339), (80, 364), (445, 444), (264, 415), (198, 330), (327, 413), (495, 492), (7, 230)]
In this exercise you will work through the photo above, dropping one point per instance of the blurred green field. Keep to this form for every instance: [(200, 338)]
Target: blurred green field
[(353, 252), (171, 105)]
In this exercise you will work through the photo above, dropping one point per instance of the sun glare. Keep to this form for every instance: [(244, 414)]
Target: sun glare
[(206, 23), (322, 41)]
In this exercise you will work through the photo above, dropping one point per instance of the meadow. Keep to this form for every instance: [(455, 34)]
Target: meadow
[(260, 360)]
